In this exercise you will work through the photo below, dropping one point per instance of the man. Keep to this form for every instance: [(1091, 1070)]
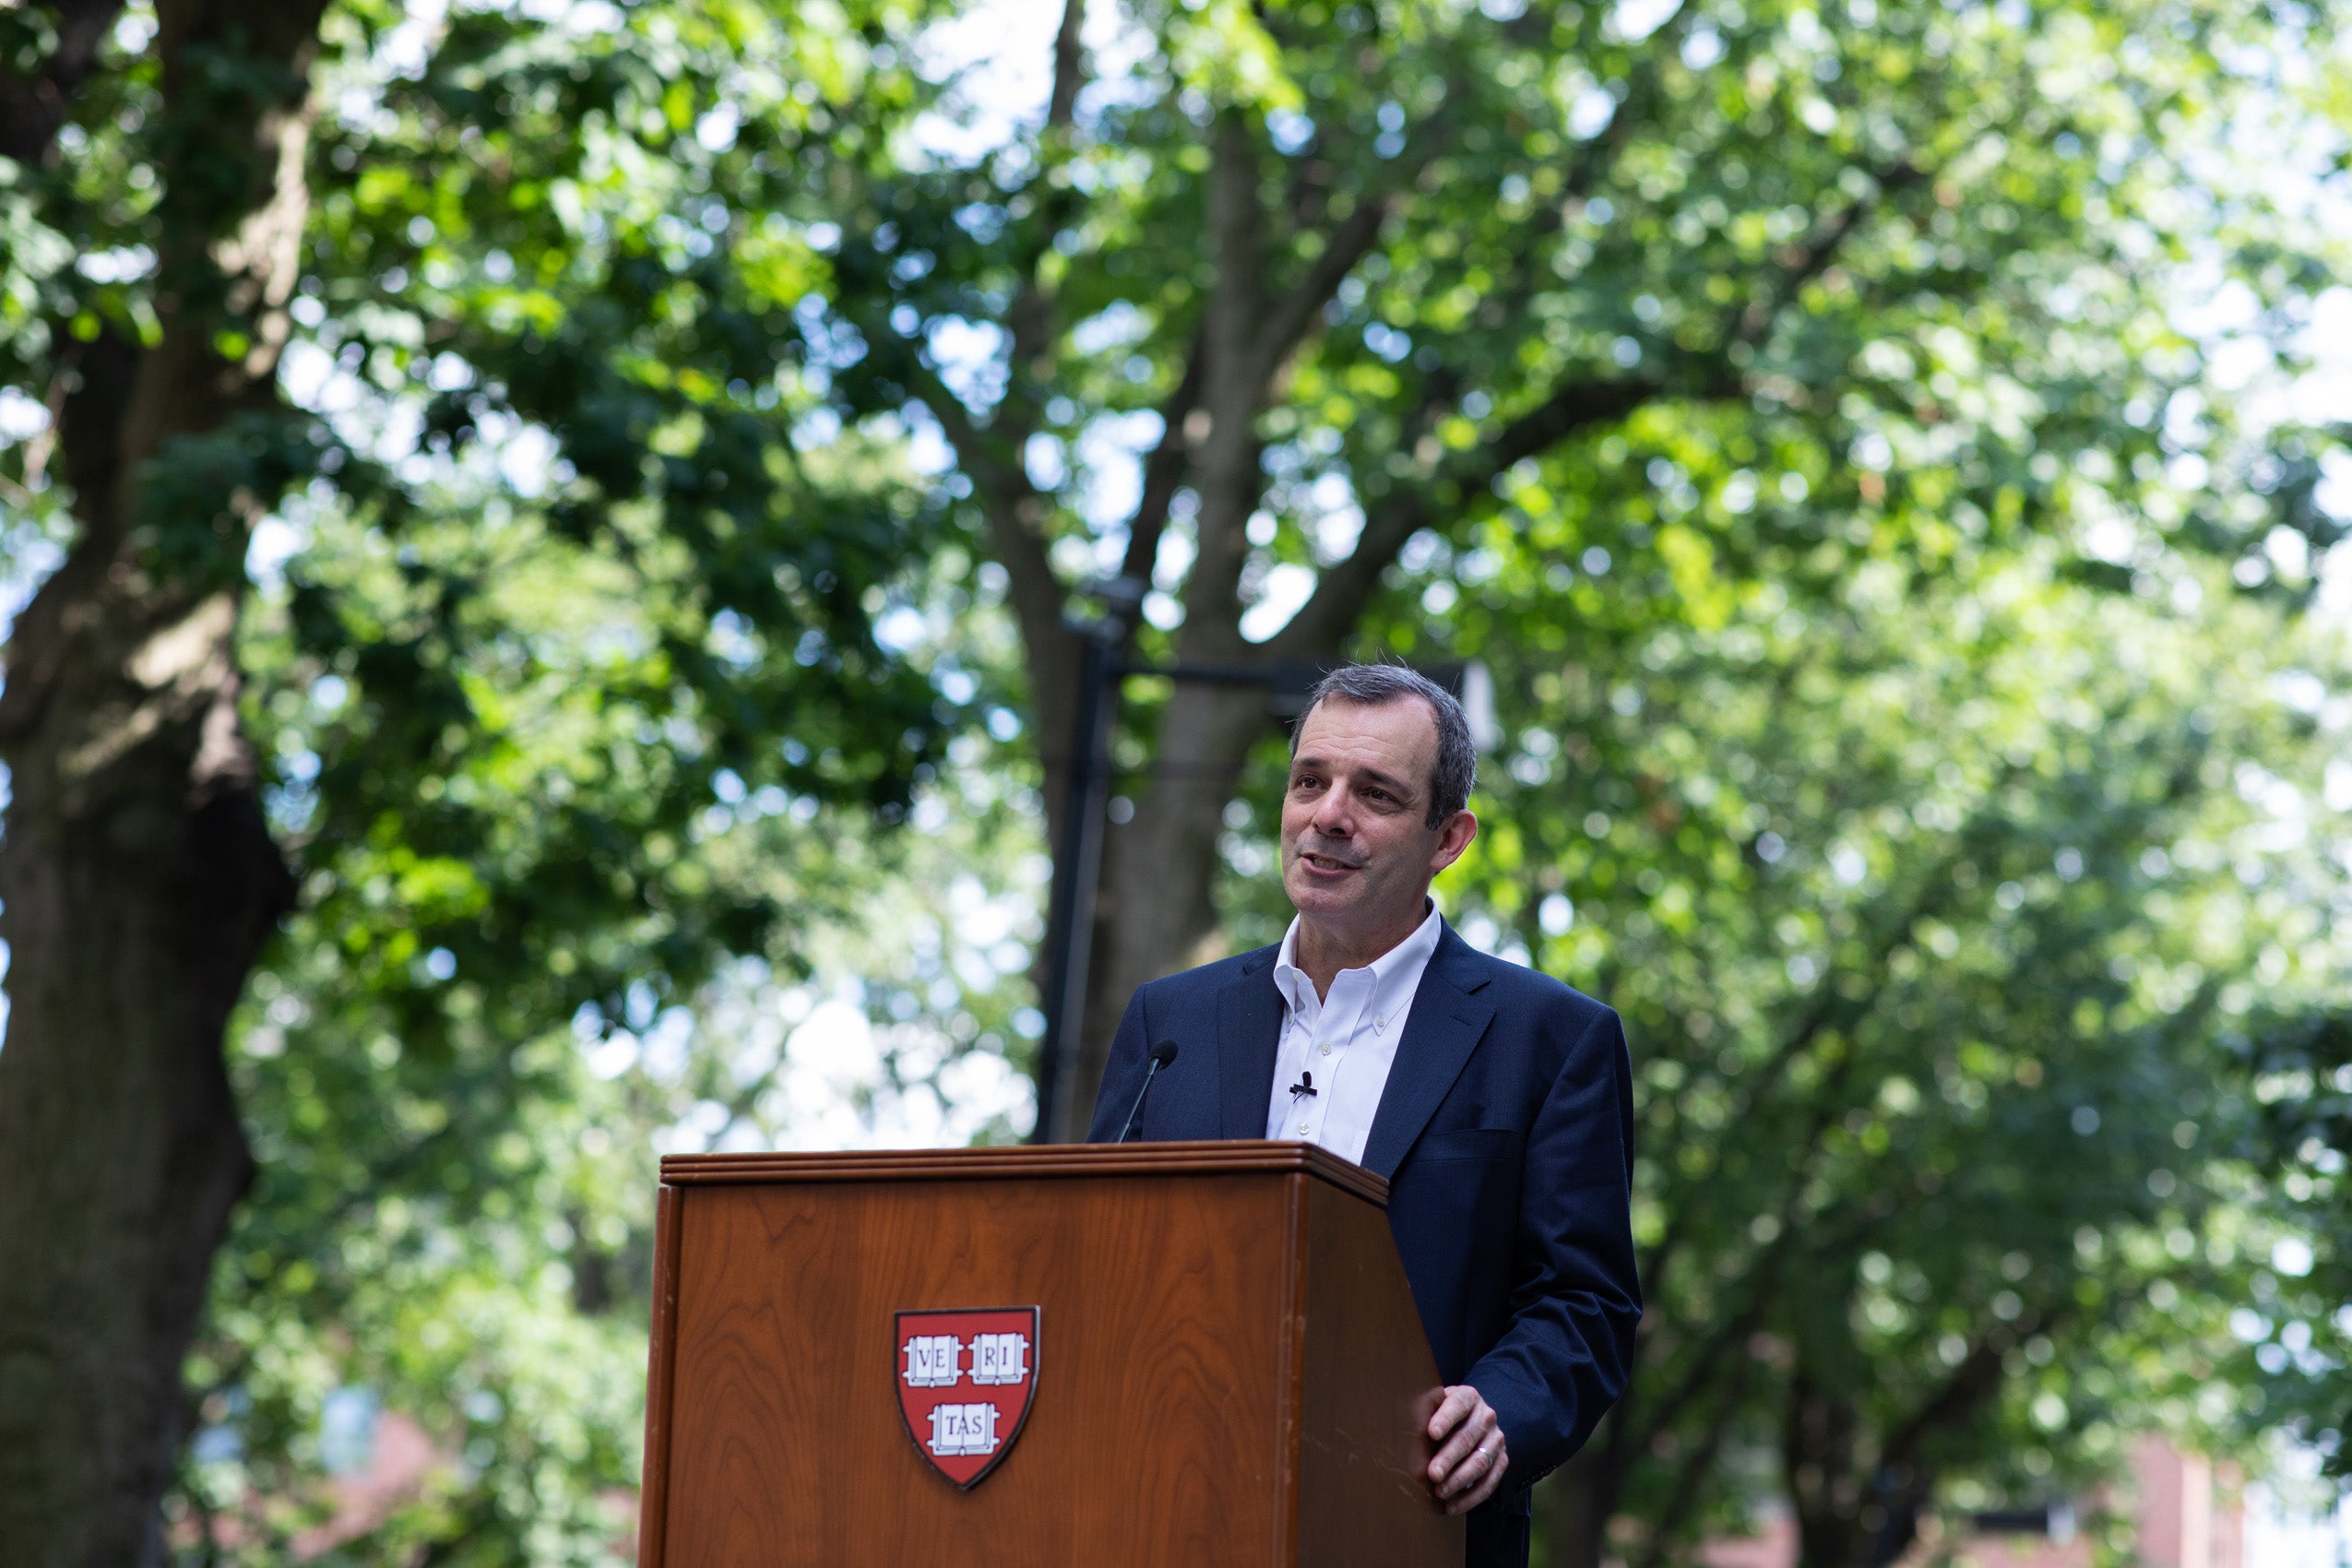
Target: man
[(1496, 1101)]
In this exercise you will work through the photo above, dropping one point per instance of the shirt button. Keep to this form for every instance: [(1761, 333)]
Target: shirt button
[(1327, 1048), (1301, 1129), (1380, 1023)]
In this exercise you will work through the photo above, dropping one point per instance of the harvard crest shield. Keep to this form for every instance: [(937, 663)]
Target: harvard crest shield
[(965, 1380)]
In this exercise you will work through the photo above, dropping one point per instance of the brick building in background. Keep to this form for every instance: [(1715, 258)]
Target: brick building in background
[(2182, 1515)]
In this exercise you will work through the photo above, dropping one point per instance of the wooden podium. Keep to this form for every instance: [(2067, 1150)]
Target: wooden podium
[(1225, 1368)]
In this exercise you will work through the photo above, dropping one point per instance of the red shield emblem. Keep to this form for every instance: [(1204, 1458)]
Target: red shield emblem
[(965, 1379)]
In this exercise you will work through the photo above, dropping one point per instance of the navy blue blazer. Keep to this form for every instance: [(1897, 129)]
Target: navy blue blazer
[(1506, 1134)]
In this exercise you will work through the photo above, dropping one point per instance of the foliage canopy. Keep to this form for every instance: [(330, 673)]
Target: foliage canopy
[(699, 419)]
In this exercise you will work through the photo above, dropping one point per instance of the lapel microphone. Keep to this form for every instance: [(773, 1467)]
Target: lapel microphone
[(1161, 1055), (1305, 1086)]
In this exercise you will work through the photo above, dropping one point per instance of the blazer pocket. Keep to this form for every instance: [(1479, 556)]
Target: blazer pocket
[(1465, 1143)]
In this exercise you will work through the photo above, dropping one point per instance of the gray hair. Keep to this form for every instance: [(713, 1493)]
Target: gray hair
[(1377, 685)]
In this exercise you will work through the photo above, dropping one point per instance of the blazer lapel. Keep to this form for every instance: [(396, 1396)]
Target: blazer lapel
[(1445, 1024), (1248, 1029)]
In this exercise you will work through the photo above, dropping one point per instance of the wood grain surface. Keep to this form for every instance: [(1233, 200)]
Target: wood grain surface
[(1050, 1160), (1210, 1392), (1371, 1386), (653, 1505)]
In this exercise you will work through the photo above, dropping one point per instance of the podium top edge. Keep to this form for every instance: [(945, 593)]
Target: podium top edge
[(1221, 1158)]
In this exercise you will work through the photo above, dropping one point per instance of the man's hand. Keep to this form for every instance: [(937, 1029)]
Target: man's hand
[(1469, 1461)]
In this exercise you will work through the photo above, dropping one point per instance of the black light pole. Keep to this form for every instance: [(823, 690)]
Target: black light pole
[(1078, 865)]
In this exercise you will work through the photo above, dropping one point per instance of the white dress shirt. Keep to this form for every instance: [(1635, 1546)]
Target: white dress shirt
[(1347, 1040)]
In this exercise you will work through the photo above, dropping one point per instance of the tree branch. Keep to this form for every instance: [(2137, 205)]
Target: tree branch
[(1904, 1485), (1164, 469), (1709, 1356), (1030, 320), (1764, 1273), (1642, 97), (1008, 502), (1339, 599), (1820, 249), (1345, 589), (992, 458), (1233, 387), (1696, 1469), (1068, 68), (1977, 1379), (1828, 1007), (992, 462), (1288, 321), (33, 107)]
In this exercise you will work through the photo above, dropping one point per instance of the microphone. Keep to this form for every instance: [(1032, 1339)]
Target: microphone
[(1161, 1055)]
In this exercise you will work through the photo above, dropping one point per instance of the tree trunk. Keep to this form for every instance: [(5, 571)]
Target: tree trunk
[(1156, 903), (1158, 906), (138, 876), (1820, 1444), (1577, 1500), (137, 894)]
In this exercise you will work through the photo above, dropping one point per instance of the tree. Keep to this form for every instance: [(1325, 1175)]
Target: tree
[(1926, 908), (138, 878), (1265, 304), (165, 249), (1387, 301), (616, 392), (2296, 1317), (451, 1224)]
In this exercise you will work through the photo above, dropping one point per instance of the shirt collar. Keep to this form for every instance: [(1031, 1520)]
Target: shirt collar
[(1408, 957)]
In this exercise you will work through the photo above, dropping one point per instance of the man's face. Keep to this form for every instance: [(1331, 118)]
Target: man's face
[(1358, 852)]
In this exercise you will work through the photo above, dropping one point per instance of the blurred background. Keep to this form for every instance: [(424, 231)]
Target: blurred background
[(561, 554)]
